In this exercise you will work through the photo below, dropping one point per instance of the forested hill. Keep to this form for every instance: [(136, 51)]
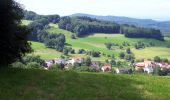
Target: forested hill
[(163, 26), (84, 25)]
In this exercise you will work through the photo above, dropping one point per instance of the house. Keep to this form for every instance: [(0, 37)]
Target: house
[(164, 66), (49, 63), (147, 66), (148, 69), (75, 60), (139, 65), (123, 70), (59, 61), (106, 68), (95, 65)]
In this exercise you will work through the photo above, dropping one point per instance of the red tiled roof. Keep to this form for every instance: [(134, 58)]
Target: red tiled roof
[(140, 64), (107, 66)]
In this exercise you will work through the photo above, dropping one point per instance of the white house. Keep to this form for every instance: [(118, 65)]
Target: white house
[(106, 68), (147, 66), (59, 61), (148, 69), (123, 70), (75, 60), (49, 63)]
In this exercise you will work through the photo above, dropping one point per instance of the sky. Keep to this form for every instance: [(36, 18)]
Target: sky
[(144, 9)]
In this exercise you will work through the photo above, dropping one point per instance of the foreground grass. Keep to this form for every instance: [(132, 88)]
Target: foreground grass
[(20, 84)]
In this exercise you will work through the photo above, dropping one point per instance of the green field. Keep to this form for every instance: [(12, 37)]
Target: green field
[(26, 22), (45, 53), (96, 42), (20, 84)]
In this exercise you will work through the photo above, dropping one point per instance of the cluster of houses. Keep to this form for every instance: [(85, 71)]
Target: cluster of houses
[(72, 61), (149, 66), (146, 66)]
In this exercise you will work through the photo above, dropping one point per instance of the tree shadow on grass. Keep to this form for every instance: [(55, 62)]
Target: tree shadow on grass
[(105, 87), (67, 44), (40, 84)]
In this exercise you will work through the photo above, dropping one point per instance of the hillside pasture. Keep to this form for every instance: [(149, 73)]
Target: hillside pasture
[(34, 84), (97, 42)]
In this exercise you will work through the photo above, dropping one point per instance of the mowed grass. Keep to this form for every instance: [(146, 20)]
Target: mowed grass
[(26, 22), (97, 42), (44, 52), (20, 84), (151, 52)]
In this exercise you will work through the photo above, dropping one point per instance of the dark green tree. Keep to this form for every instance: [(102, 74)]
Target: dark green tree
[(65, 51), (128, 51), (122, 55), (73, 36), (108, 45), (13, 35), (157, 59), (88, 61)]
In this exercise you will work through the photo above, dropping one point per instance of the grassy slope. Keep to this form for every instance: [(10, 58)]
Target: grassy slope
[(26, 22), (20, 84), (45, 53), (96, 42)]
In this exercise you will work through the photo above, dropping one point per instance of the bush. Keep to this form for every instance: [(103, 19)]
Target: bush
[(18, 65), (28, 59), (82, 69), (140, 71), (157, 59), (57, 67), (128, 51), (65, 51), (122, 55), (168, 74), (139, 45), (87, 61), (157, 70), (108, 45), (34, 65), (81, 51), (73, 36)]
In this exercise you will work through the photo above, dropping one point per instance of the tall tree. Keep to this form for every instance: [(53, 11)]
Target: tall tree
[(13, 35)]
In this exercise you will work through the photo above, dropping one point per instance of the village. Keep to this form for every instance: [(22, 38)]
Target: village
[(147, 66)]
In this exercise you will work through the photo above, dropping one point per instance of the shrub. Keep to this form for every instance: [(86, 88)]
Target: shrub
[(122, 55), (34, 65), (18, 65), (157, 59), (57, 67)]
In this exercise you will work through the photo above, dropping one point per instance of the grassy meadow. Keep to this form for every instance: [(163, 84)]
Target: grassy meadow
[(34, 84), (97, 42)]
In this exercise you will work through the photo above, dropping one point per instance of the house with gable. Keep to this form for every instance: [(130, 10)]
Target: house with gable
[(106, 68)]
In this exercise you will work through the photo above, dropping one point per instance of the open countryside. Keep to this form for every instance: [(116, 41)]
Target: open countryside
[(84, 50)]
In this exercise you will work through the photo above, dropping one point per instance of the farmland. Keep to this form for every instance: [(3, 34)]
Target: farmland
[(97, 42)]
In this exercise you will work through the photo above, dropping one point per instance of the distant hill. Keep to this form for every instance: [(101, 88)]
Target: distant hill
[(163, 26)]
